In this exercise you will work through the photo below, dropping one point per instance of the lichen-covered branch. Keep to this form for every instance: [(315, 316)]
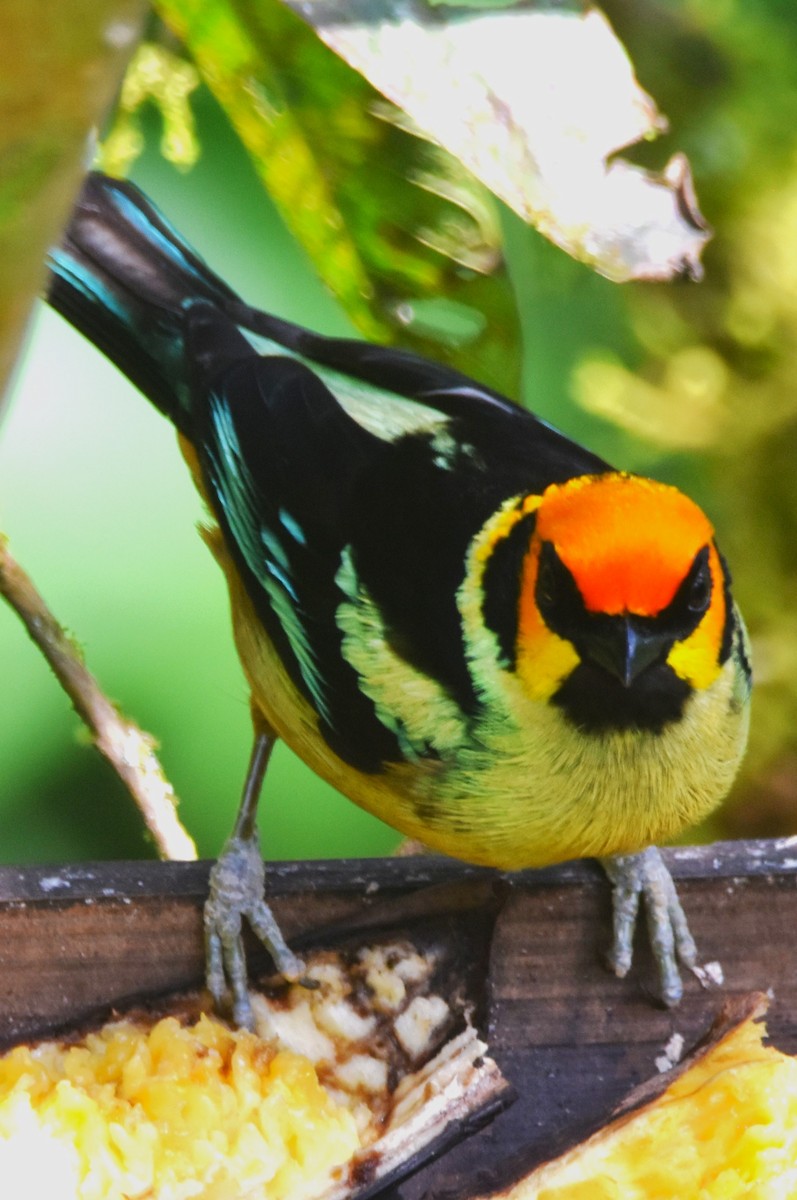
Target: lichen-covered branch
[(129, 750)]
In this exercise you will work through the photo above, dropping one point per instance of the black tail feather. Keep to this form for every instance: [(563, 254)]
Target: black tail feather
[(124, 277)]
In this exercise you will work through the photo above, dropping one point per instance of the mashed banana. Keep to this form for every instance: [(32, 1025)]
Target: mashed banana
[(345, 1083), (172, 1112), (725, 1129)]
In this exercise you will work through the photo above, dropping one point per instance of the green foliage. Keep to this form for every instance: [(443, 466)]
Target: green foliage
[(389, 220), (693, 383), (61, 65), (156, 74), (713, 372)]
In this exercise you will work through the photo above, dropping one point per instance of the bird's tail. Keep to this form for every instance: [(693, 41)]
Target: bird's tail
[(123, 277)]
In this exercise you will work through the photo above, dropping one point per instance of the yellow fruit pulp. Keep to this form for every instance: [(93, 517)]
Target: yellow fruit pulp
[(725, 1129), (169, 1112)]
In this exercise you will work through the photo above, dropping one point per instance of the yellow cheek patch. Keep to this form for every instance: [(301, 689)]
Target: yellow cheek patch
[(696, 659), (499, 527), (544, 660)]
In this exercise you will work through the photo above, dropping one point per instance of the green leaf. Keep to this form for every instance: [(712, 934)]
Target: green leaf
[(391, 221), (61, 66)]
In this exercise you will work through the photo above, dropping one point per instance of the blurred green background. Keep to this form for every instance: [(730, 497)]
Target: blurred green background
[(691, 383), (102, 513)]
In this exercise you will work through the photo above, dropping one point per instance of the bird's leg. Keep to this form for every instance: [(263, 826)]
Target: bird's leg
[(237, 882), (644, 876)]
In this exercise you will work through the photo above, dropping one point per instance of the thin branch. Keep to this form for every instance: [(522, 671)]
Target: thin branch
[(129, 750)]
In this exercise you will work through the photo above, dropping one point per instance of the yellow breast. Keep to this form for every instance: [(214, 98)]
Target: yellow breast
[(523, 787)]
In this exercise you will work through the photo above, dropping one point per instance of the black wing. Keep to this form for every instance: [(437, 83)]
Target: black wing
[(280, 460), (309, 451), (296, 481)]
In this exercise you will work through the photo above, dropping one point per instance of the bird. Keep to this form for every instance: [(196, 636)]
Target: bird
[(467, 623)]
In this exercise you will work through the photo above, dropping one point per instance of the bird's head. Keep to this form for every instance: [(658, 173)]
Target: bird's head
[(623, 603)]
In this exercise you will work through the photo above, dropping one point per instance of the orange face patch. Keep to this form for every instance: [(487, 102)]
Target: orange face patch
[(627, 541)]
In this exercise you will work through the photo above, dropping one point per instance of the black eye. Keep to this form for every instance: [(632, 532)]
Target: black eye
[(547, 590), (699, 593), (556, 593)]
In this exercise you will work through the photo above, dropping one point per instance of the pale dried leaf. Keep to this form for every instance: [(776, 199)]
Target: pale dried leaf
[(535, 104)]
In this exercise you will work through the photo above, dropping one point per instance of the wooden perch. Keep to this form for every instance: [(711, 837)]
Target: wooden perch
[(570, 1037)]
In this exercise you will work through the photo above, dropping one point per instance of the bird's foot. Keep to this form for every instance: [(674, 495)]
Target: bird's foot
[(237, 881), (644, 876)]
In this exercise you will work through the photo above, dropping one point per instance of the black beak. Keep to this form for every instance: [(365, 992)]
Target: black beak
[(625, 649)]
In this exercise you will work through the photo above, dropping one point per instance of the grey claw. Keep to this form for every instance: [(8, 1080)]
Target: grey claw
[(237, 881), (644, 876)]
